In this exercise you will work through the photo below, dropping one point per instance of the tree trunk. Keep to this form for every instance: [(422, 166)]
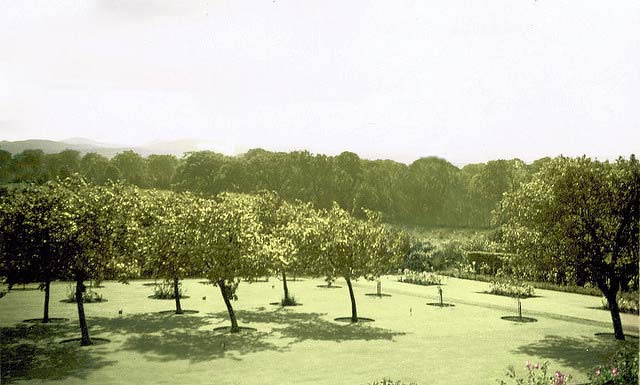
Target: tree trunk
[(615, 314), (176, 294), (286, 289), (227, 302), (354, 311), (83, 321), (47, 287)]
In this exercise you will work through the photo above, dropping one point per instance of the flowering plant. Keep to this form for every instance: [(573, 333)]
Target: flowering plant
[(420, 278), (537, 375), (621, 370), (511, 288)]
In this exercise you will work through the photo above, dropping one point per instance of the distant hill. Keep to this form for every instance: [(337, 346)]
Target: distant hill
[(175, 147)]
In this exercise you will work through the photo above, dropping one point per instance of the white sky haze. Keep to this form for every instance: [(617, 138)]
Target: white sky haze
[(467, 80)]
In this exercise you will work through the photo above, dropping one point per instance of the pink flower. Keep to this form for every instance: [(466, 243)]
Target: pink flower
[(614, 371), (598, 372), (537, 366), (528, 365), (560, 378)]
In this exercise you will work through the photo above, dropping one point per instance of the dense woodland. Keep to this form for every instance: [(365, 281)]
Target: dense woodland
[(430, 191)]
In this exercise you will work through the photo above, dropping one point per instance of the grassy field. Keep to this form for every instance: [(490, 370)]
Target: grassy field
[(465, 344)]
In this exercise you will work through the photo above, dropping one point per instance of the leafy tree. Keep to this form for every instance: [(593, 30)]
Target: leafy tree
[(5, 163), (168, 238), (582, 214), (283, 229), (63, 164), (161, 170), (352, 248), (94, 167), (230, 246), (132, 167), (29, 247), (94, 235), (28, 166)]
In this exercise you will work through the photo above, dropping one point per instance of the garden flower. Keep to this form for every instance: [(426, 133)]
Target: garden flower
[(598, 372), (537, 366), (560, 378), (528, 365), (614, 371)]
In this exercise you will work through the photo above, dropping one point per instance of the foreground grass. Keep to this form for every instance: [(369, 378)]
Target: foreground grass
[(465, 344)]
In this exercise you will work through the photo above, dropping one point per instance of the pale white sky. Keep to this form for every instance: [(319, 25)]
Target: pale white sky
[(466, 80)]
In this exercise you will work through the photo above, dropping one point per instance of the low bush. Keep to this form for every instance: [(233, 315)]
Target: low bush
[(89, 296), (290, 301), (388, 381), (164, 290), (622, 368), (420, 278), (627, 302), (536, 375), (511, 288)]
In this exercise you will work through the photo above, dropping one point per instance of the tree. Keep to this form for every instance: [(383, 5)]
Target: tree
[(168, 238), (95, 234), (283, 229), (583, 214), (161, 170), (230, 244), (27, 166), (62, 164), (352, 248), (93, 167), (132, 167), (5, 164), (29, 248)]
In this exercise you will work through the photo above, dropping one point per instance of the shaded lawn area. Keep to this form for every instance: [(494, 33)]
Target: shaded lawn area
[(409, 340)]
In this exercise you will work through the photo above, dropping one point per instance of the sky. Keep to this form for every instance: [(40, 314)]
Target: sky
[(468, 80)]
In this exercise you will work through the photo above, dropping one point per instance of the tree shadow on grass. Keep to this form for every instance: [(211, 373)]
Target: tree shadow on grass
[(582, 353), (311, 326), (33, 352), (168, 337)]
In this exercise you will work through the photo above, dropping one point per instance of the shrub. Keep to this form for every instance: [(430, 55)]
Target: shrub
[(388, 381), (425, 256), (290, 301), (536, 375), (511, 287), (622, 368), (418, 258), (420, 278), (164, 290), (89, 296), (627, 302)]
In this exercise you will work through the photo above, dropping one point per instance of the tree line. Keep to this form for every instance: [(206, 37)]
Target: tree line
[(430, 191)]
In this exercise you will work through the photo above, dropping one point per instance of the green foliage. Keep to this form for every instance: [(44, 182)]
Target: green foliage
[(536, 375), (420, 278), (577, 220), (627, 302), (288, 301), (89, 296), (622, 368), (388, 381), (511, 287), (165, 290)]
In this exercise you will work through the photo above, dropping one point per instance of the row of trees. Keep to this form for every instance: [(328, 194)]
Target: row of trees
[(74, 230), (429, 191)]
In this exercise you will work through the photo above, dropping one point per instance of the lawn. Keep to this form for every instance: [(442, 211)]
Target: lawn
[(465, 344)]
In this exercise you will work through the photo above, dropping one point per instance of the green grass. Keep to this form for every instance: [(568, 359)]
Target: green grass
[(409, 341)]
